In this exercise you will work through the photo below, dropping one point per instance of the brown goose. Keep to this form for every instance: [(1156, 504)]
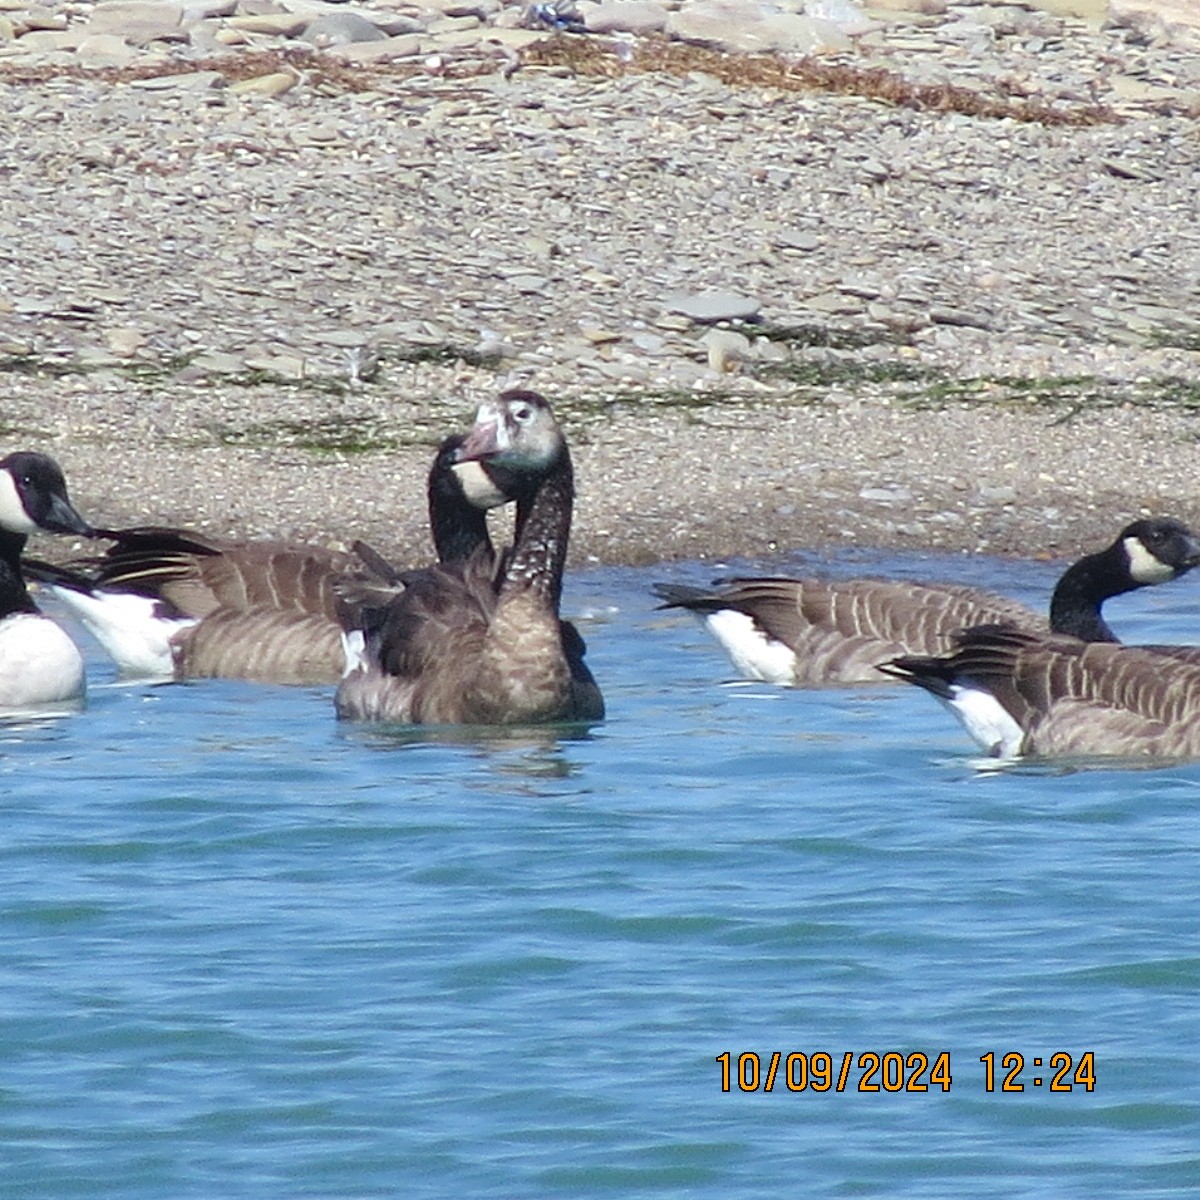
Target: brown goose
[(814, 631), (480, 642), (168, 603), (1022, 693)]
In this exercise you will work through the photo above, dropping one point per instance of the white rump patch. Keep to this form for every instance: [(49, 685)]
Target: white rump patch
[(129, 628), (1145, 567), (986, 720), (754, 654), (13, 516), (354, 647)]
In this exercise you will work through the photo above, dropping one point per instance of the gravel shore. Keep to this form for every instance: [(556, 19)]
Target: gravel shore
[(937, 287)]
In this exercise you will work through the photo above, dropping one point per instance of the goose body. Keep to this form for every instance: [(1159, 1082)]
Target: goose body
[(480, 642), (1022, 693), (819, 631), (167, 603), (41, 668)]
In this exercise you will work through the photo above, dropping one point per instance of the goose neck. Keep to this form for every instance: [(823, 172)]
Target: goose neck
[(1077, 600), (542, 532), (14, 596)]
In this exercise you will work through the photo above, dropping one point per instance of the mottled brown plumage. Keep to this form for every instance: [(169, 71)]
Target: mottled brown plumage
[(481, 642)]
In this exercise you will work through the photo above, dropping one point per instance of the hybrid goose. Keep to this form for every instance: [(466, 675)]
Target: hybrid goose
[(40, 667), (1021, 693), (480, 642), (167, 603), (823, 631)]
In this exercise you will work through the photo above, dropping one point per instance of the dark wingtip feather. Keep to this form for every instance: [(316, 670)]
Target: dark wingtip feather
[(681, 595), (935, 675)]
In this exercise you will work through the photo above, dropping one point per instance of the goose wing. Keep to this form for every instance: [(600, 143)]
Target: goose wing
[(199, 574)]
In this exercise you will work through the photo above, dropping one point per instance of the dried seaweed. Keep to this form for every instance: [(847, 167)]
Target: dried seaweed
[(591, 56)]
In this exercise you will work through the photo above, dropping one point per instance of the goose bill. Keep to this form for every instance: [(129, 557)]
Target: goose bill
[(487, 437), (61, 517)]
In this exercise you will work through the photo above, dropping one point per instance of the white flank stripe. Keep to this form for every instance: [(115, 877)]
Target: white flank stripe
[(986, 720), (128, 627), (754, 654)]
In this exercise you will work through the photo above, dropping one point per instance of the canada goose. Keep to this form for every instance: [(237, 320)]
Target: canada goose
[(480, 642), (812, 631), (40, 667), (167, 603), (1023, 693)]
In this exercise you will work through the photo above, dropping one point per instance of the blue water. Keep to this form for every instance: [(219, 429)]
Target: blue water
[(250, 952)]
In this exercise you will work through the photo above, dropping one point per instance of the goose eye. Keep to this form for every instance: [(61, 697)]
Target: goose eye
[(522, 414)]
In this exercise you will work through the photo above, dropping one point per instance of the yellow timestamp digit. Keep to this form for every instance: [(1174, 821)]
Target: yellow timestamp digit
[(1012, 1062)]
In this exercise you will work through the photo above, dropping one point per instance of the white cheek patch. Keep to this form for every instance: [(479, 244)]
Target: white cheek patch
[(754, 654), (986, 720), (478, 486), (13, 516), (1144, 567)]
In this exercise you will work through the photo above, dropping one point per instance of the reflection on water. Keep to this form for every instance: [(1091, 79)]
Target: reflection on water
[(254, 951)]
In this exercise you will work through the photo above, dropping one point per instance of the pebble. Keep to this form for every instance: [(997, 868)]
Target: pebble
[(709, 307)]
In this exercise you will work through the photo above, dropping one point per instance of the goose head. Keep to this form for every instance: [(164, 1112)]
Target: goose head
[(33, 497), (515, 439), (1158, 550)]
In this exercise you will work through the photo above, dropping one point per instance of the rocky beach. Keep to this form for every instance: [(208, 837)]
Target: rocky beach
[(802, 274)]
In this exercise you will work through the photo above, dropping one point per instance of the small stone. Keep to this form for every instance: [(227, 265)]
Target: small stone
[(341, 29), (624, 16), (958, 316), (892, 494), (187, 81), (387, 50), (709, 307), (801, 240), (997, 495), (287, 25), (725, 349), (104, 50), (138, 22), (125, 341), (274, 84)]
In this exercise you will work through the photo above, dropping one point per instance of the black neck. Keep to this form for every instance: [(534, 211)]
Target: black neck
[(457, 526), (14, 597), (1075, 605), (542, 531)]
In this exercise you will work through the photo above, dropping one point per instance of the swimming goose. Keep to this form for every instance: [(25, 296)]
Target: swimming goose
[(813, 631), (172, 604), (480, 642), (40, 667), (1022, 693)]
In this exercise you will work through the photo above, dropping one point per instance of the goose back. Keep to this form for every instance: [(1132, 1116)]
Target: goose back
[(1063, 696), (169, 602), (817, 631)]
